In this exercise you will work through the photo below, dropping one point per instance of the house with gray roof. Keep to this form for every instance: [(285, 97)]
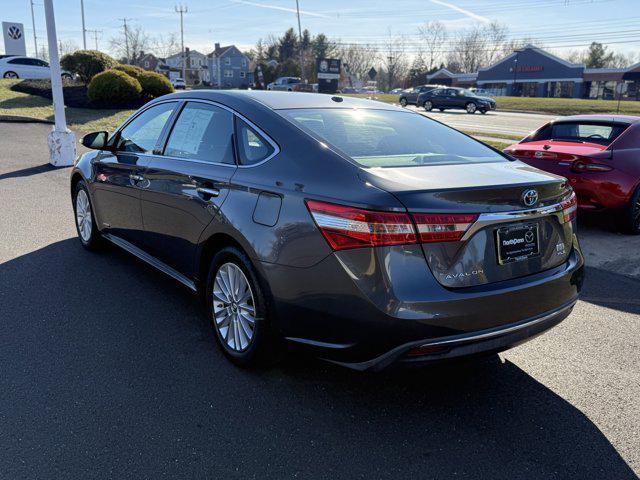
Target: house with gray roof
[(231, 66)]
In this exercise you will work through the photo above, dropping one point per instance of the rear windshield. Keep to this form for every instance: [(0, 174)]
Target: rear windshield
[(592, 132), (386, 138)]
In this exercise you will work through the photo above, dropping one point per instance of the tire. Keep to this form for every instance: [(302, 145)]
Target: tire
[(66, 76), (471, 108), (441, 109), (483, 111), (428, 105), (629, 218), (403, 102), (88, 233), (10, 75), (256, 344)]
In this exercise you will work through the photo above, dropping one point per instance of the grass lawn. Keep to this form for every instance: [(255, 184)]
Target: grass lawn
[(552, 106), (82, 120)]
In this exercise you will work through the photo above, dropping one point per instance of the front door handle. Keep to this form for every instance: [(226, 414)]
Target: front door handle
[(207, 192), (136, 178)]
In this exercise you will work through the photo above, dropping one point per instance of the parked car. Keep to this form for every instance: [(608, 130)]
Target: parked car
[(290, 84), (365, 233), (410, 95), (599, 154), (15, 66), (455, 98), (396, 91), (179, 83)]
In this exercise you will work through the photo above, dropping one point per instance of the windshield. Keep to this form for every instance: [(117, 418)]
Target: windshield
[(582, 132), (386, 138)]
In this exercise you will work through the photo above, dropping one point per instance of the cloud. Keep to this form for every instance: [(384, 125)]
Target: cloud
[(283, 9), (462, 11)]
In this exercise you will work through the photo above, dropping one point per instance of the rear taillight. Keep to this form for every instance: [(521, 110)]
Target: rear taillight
[(580, 167), (442, 227), (350, 227), (570, 207)]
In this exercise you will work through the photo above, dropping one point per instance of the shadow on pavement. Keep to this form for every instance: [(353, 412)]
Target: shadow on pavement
[(27, 172), (109, 370)]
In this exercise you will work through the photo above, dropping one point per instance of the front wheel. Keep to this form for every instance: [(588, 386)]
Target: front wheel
[(428, 105), (629, 218), (88, 233), (403, 102), (237, 308), (10, 75), (471, 107), (483, 111)]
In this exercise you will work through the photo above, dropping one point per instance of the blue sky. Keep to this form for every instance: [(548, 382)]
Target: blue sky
[(561, 24)]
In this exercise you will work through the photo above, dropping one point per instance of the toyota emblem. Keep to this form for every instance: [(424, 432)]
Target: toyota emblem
[(530, 197)]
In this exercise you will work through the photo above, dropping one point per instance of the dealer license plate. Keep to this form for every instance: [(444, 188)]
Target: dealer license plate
[(517, 242)]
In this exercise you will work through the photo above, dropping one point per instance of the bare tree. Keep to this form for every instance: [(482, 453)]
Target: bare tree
[(359, 59), (66, 47), (480, 46), (395, 60), (432, 36), (130, 46), (164, 46)]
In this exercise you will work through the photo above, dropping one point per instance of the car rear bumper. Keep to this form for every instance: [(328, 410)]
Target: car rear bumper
[(366, 308)]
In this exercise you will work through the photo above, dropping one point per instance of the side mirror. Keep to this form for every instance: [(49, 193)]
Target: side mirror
[(96, 140)]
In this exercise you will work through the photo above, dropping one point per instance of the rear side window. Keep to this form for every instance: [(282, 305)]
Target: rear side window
[(252, 147), (592, 132), (142, 133), (202, 132), (390, 138)]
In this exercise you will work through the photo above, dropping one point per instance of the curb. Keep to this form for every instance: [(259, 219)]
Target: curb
[(20, 119)]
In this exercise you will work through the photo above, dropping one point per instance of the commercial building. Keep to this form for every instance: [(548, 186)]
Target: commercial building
[(533, 72)]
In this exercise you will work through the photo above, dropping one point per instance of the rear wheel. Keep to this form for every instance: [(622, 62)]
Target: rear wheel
[(403, 102), (237, 309), (428, 105), (629, 220), (471, 107), (10, 75)]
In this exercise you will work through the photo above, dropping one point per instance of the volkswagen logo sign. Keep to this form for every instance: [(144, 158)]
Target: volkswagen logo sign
[(530, 197), (14, 32)]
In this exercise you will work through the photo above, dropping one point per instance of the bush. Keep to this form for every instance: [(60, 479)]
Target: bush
[(131, 70), (113, 87), (154, 84), (87, 63)]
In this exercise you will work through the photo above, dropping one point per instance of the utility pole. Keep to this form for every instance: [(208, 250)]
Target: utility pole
[(61, 140), (84, 30), (95, 36), (300, 35), (182, 9), (126, 37), (33, 23)]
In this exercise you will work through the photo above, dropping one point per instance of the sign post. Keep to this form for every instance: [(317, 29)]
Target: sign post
[(14, 43), (62, 141), (328, 74)]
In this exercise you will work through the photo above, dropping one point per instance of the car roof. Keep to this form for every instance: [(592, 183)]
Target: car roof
[(276, 100), (629, 119)]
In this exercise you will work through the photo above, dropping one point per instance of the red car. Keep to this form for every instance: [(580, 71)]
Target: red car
[(599, 154)]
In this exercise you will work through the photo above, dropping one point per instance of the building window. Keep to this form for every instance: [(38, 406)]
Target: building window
[(228, 73), (146, 64), (227, 61), (244, 62), (243, 74)]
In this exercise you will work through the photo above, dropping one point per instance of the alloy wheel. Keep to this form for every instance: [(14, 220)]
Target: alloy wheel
[(403, 102), (428, 106), (636, 214), (471, 107), (83, 216), (10, 75), (234, 308)]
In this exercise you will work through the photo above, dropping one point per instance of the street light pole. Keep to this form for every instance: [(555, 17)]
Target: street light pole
[(84, 30), (182, 10), (33, 23), (300, 35), (515, 72), (61, 140)]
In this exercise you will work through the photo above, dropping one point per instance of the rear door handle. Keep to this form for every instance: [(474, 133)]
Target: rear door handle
[(208, 192)]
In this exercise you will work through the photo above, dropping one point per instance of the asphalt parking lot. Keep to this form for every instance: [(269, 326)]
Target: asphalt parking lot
[(108, 370)]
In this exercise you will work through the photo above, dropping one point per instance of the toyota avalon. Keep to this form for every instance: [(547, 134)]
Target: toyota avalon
[(365, 233)]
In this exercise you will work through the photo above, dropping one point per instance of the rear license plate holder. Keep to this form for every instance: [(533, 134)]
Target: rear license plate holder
[(517, 243)]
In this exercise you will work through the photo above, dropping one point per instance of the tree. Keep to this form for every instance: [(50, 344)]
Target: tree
[(287, 45), (165, 45), (130, 45), (597, 56), (66, 47), (432, 37), (395, 61), (359, 59), (322, 47)]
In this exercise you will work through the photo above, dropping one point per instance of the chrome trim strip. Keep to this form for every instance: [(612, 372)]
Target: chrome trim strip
[(486, 219), (151, 260)]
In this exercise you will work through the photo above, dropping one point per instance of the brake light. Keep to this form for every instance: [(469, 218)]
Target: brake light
[(442, 227), (349, 227), (570, 207), (580, 167)]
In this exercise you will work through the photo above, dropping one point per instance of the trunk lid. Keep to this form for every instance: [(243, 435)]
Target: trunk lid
[(493, 191)]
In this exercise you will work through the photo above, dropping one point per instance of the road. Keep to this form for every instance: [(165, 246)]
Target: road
[(108, 370), (507, 123)]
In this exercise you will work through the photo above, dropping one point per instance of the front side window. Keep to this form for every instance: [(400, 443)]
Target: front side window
[(252, 147), (591, 132), (202, 132), (142, 133), (20, 61), (387, 138)]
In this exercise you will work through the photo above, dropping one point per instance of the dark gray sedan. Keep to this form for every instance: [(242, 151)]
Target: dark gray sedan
[(362, 232)]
